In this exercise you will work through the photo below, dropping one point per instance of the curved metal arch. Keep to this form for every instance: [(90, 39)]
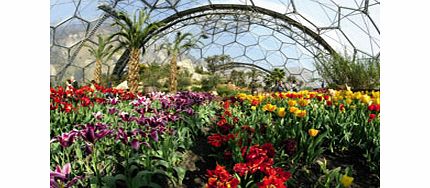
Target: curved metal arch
[(261, 10), (170, 21)]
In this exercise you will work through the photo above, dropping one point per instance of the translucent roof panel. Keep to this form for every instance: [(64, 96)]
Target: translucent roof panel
[(287, 34)]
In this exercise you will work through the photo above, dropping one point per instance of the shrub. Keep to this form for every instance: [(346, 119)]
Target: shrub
[(358, 74)]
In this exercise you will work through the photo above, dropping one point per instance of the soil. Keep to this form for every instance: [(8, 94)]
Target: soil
[(198, 164)]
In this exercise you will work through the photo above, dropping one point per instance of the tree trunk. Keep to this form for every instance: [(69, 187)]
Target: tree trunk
[(133, 70), (98, 72), (173, 72)]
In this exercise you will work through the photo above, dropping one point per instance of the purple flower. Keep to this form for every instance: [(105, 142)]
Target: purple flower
[(189, 111), (112, 110), (58, 178), (124, 116), (88, 149), (66, 139), (98, 115), (113, 101), (135, 144), (93, 133), (121, 135), (154, 135)]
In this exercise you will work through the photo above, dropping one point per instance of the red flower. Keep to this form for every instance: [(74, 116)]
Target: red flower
[(227, 113), (241, 168), (269, 149), (373, 107), (221, 178), (215, 140), (342, 107), (221, 122), (67, 107), (329, 103), (371, 117), (226, 105), (100, 100), (85, 101), (235, 119), (276, 177), (255, 102), (326, 97)]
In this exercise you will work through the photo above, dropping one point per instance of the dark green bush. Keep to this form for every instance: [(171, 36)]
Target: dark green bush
[(360, 74)]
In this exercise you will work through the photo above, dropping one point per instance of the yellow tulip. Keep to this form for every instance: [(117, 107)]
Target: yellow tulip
[(346, 180), (348, 101), (293, 109), (376, 101), (292, 103), (269, 107), (300, 113), (365, 99), (357, 95), (303, 102), (313, 132), (253, 108), (281, 112)]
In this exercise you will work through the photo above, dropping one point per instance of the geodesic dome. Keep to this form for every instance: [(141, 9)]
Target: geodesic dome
[(263, 34)]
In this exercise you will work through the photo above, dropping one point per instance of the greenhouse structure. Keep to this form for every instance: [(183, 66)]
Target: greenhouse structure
[(214, 93)]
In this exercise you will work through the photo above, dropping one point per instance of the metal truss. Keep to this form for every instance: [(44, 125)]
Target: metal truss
[(262, 34)]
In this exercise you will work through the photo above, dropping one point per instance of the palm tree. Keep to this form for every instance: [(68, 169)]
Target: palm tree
[(102, 53), (182, 42), (133, 31), (278, 74)]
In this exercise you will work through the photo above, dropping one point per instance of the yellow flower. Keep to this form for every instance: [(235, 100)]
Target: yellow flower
[(293, 109), (253, 108), (269, 107), (303, 102), (346, 180), (300, 113), (348, 101), (365, 99), (281, 112), (313, 132), (376, 101), (292, 103), (357, 95)]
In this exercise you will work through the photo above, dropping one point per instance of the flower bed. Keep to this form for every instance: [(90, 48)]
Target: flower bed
[(254, 136), (107, 137), (113, 138)]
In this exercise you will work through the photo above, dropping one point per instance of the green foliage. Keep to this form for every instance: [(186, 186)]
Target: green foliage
[(358, 74), (104, 50), (184, 80), (238, 78), (199, 70), (152, 74), (276, 75), (134, 29), (211, 82), (183, 41), (213, 62), (225, 91)]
